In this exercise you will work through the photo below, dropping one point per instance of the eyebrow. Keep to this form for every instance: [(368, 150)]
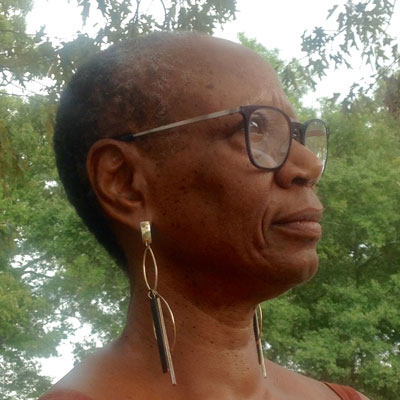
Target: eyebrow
[(274, 101), (260, 99)]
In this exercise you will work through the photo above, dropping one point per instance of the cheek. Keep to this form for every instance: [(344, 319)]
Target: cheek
[(213, 209)]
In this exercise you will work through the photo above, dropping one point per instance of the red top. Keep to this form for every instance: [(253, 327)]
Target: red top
[(344, 392)]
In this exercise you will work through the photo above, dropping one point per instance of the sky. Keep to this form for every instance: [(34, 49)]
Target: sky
[(280, 24), (275, 24)]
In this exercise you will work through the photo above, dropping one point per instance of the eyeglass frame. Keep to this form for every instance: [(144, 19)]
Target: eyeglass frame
[(297, 130)]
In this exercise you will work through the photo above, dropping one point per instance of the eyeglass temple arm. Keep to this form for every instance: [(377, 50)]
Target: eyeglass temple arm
[(132, 136), (299, 131)]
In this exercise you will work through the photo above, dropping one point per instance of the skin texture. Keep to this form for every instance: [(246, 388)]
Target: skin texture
[(220, 236)]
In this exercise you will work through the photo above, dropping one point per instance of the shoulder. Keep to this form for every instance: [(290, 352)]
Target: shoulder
[(64, 395), (81, 383), (298, 386), (303, 387), (101, 376)]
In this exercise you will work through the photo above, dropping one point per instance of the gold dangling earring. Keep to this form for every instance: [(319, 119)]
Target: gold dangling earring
[(156, 308), (257, 325)]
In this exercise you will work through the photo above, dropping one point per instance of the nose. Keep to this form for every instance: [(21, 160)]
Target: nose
[(302, 167)]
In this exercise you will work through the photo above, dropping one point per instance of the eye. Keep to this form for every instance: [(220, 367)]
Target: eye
[(259, 125), (296, 134)]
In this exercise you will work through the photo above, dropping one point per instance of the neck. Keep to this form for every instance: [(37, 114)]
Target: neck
[(215, 342)]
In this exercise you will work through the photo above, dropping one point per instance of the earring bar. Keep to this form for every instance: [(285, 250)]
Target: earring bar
[(157, 322), (166, 344)]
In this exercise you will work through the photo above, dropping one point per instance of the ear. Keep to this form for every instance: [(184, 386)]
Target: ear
[(116, 174)]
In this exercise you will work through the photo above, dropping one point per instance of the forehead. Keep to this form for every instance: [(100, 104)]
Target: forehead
[(276, 99), (209, 74)]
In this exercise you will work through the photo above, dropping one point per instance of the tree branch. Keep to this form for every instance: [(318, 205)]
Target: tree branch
[(13, 94), (137, 8), (165, 14), (11, 31)]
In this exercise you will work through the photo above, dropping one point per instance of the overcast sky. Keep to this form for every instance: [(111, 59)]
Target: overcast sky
[(275, 24)]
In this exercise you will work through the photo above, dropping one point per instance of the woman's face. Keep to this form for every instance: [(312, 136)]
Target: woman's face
[(212, 211)]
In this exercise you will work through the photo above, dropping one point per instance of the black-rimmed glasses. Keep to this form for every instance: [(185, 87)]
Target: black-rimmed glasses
[(268, 133)]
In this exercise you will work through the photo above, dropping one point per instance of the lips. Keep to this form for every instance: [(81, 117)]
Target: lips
[(302, 223)]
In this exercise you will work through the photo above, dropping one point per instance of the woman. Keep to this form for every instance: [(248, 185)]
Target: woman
[(223, 199)]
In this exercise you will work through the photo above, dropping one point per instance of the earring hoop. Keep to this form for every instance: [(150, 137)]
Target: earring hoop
[(147, 250), (257, 326), (159, 327)]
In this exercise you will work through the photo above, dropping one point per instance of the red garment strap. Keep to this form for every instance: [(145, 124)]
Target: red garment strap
[(64, 395), (344, 392)]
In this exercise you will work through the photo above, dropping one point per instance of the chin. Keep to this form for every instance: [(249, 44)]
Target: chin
[(284, 272), (308, 265)]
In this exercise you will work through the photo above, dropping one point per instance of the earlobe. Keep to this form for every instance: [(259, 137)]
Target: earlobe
[(115, 174)]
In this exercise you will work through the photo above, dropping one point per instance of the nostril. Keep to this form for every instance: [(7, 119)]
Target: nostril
[(301, 181), (305, 181)]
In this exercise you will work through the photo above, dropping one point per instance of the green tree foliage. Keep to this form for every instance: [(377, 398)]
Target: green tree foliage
[(51, 269), (361, 25), (361, 32), (361, 28), (390, 88), (24, 312), (24, 57)]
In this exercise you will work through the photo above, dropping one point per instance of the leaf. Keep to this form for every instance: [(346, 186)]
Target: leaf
[(331, 11), (85, 4)]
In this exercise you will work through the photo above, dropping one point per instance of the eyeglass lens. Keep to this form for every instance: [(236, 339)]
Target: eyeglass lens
[(269, 138), (316, 139)]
